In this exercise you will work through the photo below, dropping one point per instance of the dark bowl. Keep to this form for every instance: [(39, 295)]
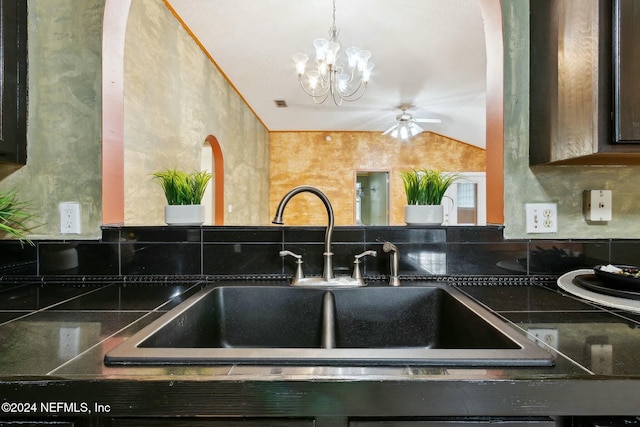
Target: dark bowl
[(616, 280)]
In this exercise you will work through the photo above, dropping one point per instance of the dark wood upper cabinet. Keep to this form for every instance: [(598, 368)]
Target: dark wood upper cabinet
[(626, 71), (13, 81), (584, 84)]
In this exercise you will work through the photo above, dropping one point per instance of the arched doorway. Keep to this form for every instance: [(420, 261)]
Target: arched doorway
[(212, 161)]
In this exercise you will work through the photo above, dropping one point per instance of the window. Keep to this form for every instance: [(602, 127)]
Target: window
[(465, 201)]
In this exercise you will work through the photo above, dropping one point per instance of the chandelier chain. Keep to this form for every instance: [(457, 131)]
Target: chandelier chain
[(334, 30)]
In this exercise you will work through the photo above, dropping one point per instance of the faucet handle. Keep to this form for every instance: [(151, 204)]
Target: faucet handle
[(357, 274), (284, 253), (365, 253), (299, 273)]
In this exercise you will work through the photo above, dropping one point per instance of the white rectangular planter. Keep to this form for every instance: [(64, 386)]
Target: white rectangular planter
[(423, 214), (184, 214)]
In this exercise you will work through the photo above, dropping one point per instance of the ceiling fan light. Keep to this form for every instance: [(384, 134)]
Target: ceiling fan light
[(415, 129), (300, 59), (404, 132), (406, 127)]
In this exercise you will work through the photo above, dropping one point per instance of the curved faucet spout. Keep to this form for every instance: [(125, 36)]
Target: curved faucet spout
[(328, 255)]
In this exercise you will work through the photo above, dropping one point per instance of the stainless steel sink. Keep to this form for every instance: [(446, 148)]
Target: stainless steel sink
[(428, 325)]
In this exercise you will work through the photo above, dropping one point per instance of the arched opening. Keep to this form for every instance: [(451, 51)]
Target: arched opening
[(212, 161)]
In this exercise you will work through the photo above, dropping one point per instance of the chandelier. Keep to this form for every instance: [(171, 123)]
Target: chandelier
[(331, 78)]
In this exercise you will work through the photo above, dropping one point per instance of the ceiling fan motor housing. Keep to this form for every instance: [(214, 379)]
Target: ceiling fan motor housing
[(404, 117)]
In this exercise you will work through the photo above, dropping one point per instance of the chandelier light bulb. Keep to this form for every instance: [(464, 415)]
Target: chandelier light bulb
[(331, 52), (313, 77), (300, 59), (363, 59), (321, 49), (366, 73), (343, 82), (352, 56)]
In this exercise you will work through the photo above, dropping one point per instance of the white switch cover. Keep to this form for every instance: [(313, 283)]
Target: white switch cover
[(597, 205), (541, 218), (70, 218)]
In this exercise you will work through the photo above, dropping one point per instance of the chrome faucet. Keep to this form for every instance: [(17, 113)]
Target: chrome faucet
[(327, 272)]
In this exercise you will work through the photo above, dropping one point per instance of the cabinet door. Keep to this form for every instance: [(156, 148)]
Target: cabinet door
[(626, 63), (13, 81)]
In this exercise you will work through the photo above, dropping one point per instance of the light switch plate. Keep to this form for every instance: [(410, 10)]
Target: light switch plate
[(597, 205)]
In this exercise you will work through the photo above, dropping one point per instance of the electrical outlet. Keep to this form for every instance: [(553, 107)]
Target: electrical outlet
[(597, 205), (541, 218), (70, 218), (549, 336)]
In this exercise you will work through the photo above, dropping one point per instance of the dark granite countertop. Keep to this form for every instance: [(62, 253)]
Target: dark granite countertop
[(53, 337)]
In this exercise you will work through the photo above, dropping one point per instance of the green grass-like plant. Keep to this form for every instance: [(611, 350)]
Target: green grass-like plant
[(426, 186), (181, 188), (14, 216)]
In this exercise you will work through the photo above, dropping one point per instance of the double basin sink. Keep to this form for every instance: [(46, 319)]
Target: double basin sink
[(427, 325)]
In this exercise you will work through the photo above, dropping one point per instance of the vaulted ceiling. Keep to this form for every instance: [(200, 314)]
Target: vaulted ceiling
[(430, 54)]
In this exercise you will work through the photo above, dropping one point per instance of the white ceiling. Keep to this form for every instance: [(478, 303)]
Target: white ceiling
[(427, 53)]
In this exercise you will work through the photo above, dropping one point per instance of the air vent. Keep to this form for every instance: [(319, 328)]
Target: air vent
[(281, 103)]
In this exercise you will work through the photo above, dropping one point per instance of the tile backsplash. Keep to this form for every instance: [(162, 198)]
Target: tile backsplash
[(254, 251)]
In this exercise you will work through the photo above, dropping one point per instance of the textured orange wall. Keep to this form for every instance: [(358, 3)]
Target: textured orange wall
[(307, 158)]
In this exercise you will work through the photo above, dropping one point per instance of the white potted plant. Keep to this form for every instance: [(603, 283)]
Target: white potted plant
[(425, 190), (184, 192)]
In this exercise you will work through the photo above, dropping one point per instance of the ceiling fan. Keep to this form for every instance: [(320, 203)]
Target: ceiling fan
[(405, 126)]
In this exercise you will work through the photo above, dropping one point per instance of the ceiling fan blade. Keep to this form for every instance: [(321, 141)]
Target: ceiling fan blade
[(390, 129), (427, 120)]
